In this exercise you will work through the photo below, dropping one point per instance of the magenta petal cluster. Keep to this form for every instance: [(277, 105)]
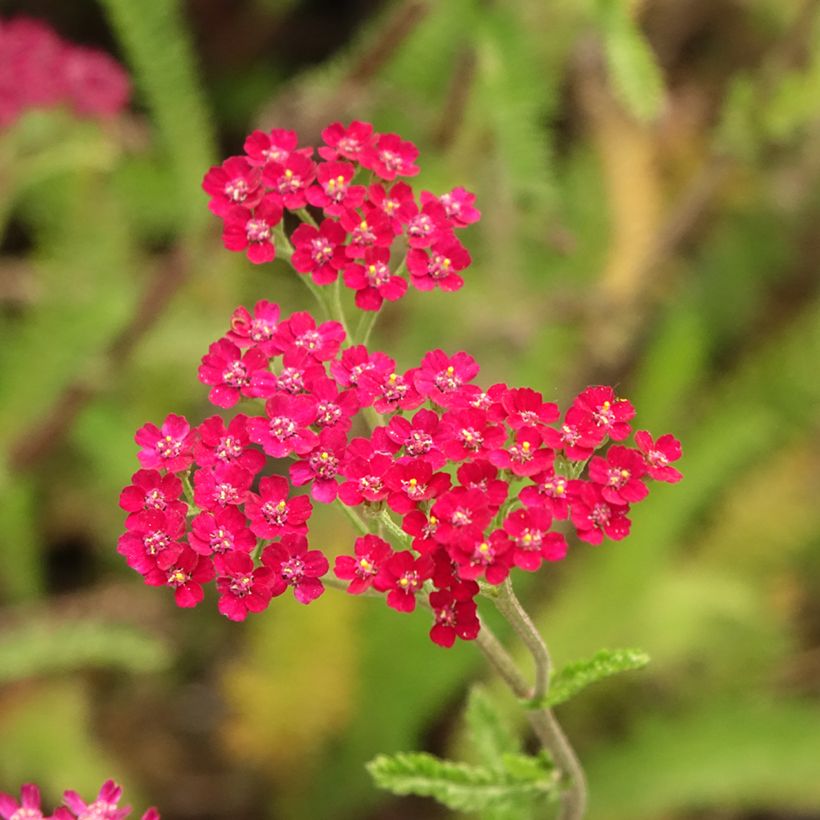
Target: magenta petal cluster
[(453, 484), (105, 806)]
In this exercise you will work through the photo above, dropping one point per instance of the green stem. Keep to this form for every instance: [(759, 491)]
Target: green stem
[(285, 251), (338, 310), (304, 215), (543, 721), (366, 324), (393, 528), (358, 522)]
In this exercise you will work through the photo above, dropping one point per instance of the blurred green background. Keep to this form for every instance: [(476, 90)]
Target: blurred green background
[(649, 176)]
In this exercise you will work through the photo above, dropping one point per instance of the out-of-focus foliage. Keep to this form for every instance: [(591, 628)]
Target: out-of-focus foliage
[(649, 176)]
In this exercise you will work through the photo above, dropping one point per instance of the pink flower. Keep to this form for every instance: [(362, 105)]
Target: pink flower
[(256, 330), (458, 205), (285, 430), (169, 447), (234, 374), (417, 436), (468, 434), (423, 529), (373, 281), (390, 156), (460, 513), (412, 483), (402, 576), (301, 333), (366, 479), (356, 361), (334, 409), (441, 268), (27, 809), (273, 514), (491, 557), (319, 251), (658, 454), (347, 142), (242, 587), (321, 467), (221, 531), (234, 183), (105, 807), (370, 554), (609, 413), (398, 204), (297, 566), (427, 226), (185, 576), (550, 492), (217, 444), (275, 146), (151, 491), (367, 230), (392, 392), (334, 193), (441, 375), (94, 82), (619, 475), (455, 613), (253, 231), (225, 485), (593, 516), (524, 407), (152, 540), (578, 436), (481, 475), (525, 456), (532, 542), (290, 179)]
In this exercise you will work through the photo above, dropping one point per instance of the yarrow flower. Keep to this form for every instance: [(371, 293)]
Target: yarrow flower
[(104, 807), (38, 69), (452, 484)]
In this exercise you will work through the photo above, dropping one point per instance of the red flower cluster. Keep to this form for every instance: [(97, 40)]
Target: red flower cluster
[(40, 70), (467, 483), (104, 807), (369, 226)]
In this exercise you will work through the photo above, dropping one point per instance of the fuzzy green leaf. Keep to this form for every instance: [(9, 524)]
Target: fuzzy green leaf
[(462, 787), (577, 676), (490, 737), (633, 69), (156, 41)]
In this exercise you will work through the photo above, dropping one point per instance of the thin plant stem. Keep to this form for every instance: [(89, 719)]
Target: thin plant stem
[(510, 607), (285, 250), (338, 310), (393, 528), (543, 721), (358, 522), (366, 325)]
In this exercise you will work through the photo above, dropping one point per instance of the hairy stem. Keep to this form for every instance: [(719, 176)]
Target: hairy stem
[(543, 721), (285, 251), (358, 522)]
